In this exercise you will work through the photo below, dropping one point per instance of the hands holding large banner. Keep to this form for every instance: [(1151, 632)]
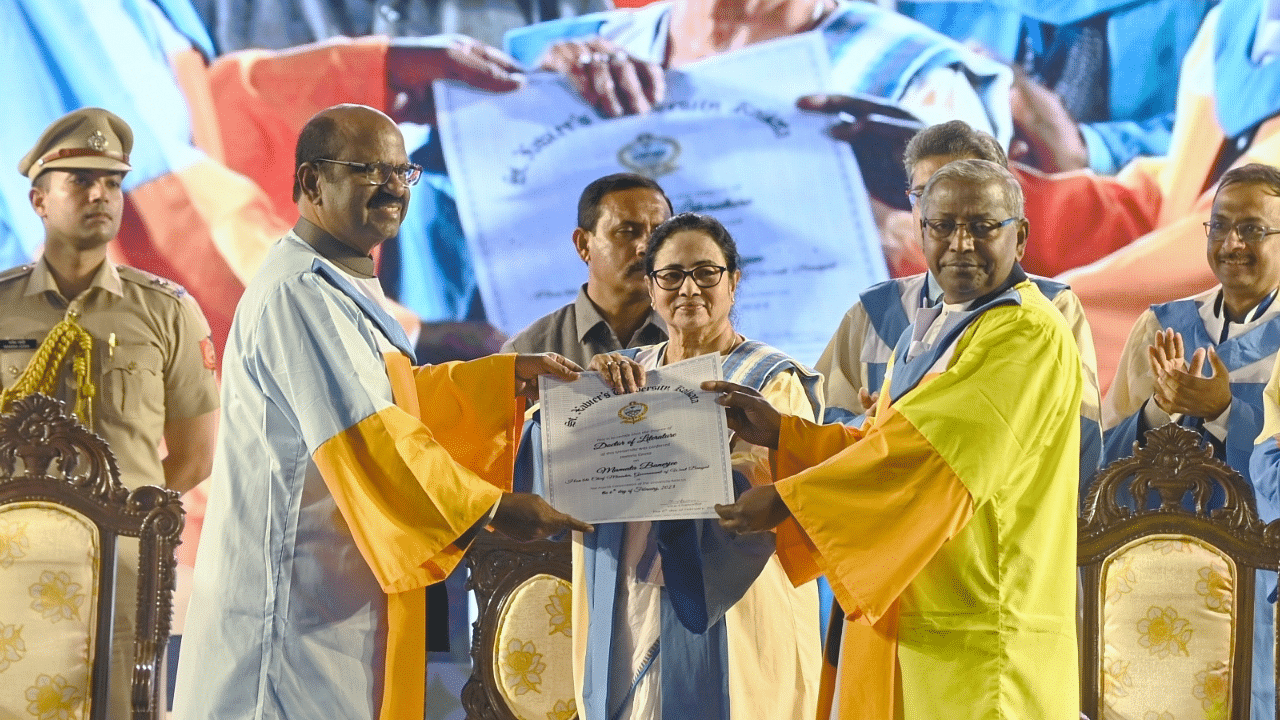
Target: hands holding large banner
[(727, 141)]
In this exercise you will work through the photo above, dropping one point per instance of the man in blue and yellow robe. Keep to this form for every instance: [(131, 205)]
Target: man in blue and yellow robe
[(857, 356), (947, 527), (345, 479)]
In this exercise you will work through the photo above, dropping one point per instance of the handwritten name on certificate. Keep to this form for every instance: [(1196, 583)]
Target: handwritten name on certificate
[(658, 454), (728, 141)]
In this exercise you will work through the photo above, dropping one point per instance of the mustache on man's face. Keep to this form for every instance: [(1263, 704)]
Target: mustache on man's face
[(382, 197)]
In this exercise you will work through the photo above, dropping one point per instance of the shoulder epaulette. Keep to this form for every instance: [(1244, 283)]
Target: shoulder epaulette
[(142, 277), (14, 273)]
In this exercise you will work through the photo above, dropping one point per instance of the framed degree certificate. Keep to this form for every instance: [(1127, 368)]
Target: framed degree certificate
[(658, 454)]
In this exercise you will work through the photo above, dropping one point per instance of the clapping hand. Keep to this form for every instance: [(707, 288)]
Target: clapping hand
[(1183, 388)]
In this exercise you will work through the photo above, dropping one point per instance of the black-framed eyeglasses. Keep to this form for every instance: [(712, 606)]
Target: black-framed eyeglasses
[(978, 229), (704, 276), (379, 173), (1249, 233)]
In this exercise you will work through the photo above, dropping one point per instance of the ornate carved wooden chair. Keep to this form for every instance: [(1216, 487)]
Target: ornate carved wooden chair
[(522, 647), (62, 509), (1169, 593)]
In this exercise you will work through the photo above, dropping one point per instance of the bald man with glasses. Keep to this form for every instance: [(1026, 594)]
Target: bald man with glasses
[(855, 360), (954, 508)]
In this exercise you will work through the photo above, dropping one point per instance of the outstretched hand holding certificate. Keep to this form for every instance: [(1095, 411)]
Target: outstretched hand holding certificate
[(658, 454)]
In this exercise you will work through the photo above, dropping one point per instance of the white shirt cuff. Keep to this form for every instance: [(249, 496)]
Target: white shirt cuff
[(1218, 426), (1155, 415)]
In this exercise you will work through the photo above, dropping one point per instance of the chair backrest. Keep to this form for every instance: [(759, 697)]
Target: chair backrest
[(1169, 584), (62, 508), (522, 647)]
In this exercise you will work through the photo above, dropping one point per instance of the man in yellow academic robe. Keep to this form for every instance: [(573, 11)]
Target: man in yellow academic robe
[(947, 527)]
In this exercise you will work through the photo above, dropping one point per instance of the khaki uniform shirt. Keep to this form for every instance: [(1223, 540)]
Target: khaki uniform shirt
[(579, 332), (152, 357)]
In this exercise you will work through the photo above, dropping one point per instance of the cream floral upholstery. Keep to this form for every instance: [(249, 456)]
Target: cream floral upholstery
[(64, 517), (49, 564), (521, 655), (1167, 619), (1170, 586), (532, 650)]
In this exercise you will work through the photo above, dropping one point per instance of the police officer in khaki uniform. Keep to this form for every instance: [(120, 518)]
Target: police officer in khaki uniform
[(150, 369)]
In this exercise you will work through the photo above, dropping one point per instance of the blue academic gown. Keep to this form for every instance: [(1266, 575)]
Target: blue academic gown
[(705, 571), (1264, 471), (1258, 345), (1146, 41)]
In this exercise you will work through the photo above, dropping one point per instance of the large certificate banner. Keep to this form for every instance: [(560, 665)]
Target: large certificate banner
[(658, 454), (728, 141)]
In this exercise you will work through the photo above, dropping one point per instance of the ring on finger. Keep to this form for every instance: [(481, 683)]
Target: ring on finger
[(585, 57)]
